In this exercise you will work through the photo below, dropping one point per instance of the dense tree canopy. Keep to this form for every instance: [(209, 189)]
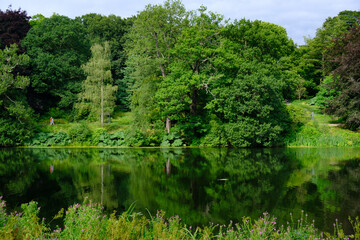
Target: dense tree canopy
[(97, 95), (57, 46), (111, 29), (344, 56), (206, 80), (15, 115)]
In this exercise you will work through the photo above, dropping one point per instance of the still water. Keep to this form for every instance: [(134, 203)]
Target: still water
[(201, 185)]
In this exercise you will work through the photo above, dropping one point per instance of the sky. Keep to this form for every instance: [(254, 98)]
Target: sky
[(300, 18)]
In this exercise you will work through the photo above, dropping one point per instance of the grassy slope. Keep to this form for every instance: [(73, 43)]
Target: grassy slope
[(323, 130), (119, 121)]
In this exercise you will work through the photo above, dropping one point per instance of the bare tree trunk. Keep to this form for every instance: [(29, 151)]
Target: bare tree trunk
[(102, 103), (168, 125)]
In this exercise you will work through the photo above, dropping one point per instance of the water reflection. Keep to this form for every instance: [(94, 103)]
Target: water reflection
[(200, 185)]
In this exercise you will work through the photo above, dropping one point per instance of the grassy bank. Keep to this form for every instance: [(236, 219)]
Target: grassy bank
[(309, 127), (312, 128), (87, 221)]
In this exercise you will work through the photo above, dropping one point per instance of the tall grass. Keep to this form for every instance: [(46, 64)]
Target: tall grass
[(87, 221), (312, 128)]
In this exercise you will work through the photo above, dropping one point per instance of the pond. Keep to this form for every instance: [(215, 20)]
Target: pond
[(201, 185)]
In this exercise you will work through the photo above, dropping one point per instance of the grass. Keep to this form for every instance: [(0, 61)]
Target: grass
[(321, 130), (119, 122), (87, 221)]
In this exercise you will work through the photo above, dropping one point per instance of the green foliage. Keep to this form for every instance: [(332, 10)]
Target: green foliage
[(101, 138), (16, 117), (86, 221), (298, 115), (97, 96), (311, 129), (49, 139), (13, 133), (57, 46), (253, 110), (215, 137), (80, 133), (112, 29), (172, 139), (22, 225), (326, 93)]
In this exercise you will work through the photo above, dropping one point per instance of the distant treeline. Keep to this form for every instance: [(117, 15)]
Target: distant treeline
[(191, 76)]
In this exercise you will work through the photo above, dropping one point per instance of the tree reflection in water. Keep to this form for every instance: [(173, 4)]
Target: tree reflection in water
[(200, 185)]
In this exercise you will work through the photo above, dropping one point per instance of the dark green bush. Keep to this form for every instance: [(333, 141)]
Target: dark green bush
[(13, 133), (49, 139), (172, 139), (80, 133)]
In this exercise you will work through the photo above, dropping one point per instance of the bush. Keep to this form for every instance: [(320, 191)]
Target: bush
[(215, 137), (87, 221), (12, 133), (84, 221), (80, 133), (172, 139), (49, 139)]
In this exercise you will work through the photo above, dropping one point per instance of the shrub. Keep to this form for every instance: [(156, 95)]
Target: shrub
[(172, 139), (84, 221), (49, 139), (12, 133), (80, 133), (22, 225)]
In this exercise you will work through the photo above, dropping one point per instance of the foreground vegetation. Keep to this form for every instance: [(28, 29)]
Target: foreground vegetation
[(87, 221)]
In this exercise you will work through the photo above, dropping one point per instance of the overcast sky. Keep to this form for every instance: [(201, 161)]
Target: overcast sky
[(301, 18)]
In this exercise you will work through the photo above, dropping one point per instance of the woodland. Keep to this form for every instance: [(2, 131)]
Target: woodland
[(187, 78)]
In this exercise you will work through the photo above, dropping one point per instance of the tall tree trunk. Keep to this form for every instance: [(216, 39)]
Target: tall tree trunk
[(102, 102), (168, 125), (158, 54)]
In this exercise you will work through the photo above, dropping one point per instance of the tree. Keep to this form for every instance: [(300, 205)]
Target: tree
[(112, 29), (57, 46), (97, 95), (344, 56), (14, 25), (15, 114), (184, 92), (312, 64), (149, 44)]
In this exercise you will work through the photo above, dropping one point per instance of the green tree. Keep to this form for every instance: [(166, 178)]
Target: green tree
[(112, 29), (184, 92), (97, 96), (149, 43), (15, 115), (312, 62), (57, 46)]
